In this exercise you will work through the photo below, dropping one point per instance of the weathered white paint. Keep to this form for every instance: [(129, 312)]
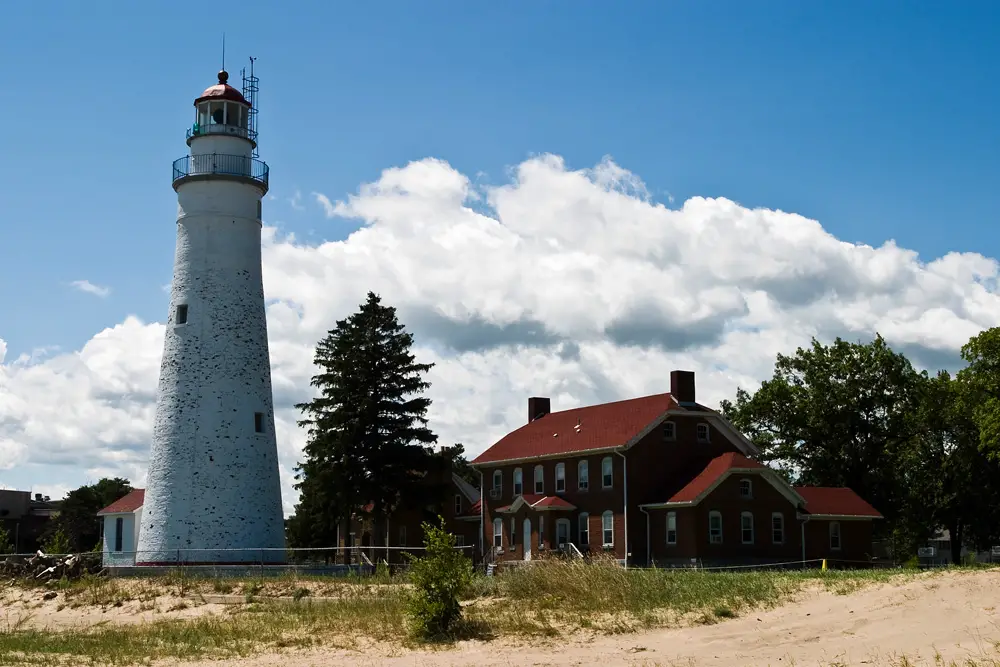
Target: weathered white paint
[(213, 481), (221, 143)]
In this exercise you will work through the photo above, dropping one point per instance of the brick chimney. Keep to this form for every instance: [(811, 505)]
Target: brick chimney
[(538, 407), (682, 386)]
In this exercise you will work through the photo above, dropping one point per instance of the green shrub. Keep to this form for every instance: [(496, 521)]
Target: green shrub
[(57, 544), (440, 577), (5, 546)]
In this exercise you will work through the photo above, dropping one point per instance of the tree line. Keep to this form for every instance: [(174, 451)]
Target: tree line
[(923, 448)]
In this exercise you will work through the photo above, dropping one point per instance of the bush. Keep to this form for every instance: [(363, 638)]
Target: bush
[(57, 544), (5, 546), (439, 579)]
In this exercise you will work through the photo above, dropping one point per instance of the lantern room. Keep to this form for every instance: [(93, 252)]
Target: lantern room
[(222, 109)]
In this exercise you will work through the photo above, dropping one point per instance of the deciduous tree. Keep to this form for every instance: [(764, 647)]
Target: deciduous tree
[(843, 414)]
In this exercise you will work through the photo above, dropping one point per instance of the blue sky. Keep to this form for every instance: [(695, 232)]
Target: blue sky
[(879, 119), (873, 120)]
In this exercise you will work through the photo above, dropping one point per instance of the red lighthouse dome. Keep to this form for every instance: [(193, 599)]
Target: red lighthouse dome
[(222, 91)]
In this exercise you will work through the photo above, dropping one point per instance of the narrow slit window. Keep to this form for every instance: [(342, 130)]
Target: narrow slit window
[(119, 533), (258, 422), (181, 316)]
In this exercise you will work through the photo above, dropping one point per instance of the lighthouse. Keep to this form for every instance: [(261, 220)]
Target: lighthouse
[(213, 492)]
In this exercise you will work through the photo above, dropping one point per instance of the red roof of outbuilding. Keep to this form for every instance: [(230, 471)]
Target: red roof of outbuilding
[(130, 502), (715, 469), (834, 501), (600, 426)]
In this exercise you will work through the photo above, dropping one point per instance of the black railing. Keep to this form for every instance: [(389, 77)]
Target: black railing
[(226, 130), (223, 165)]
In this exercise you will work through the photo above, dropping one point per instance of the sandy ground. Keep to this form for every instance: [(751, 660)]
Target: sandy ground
[(953, 615)]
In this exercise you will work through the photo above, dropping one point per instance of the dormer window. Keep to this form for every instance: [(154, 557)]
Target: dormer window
[(669, 431), (703, 432)]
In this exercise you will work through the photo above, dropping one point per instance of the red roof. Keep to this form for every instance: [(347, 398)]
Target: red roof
[(715, 469), (836, 502), (554, 502), (600, 426), (222, 91), (130, 502), (539, 502)]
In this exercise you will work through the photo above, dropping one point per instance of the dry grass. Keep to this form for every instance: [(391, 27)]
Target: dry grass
[(545, 599)]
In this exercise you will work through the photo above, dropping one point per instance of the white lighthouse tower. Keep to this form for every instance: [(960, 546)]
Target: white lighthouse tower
[(213, 492)]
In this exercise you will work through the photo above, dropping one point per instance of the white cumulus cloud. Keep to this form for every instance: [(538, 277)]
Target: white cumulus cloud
[(573, 284)]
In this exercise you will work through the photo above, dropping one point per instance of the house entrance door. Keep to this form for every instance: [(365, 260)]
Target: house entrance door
[(527, 539), (562, 533)]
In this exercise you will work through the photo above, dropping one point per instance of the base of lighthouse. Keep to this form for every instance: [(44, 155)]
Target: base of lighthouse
[(213, 490)]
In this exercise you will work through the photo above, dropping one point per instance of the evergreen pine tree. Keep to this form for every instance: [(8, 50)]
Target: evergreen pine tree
[(368, 440)]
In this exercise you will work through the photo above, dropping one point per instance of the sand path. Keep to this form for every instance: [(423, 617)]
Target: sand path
[(953, 615)]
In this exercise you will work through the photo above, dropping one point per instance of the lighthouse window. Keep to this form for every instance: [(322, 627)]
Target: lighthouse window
[(258, 422), (203, 114), (218, 112), (182, 314), (258, 210), (233, 114)]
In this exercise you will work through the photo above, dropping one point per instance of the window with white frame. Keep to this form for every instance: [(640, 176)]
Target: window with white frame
[(606, 470), (835, 535), (583, 475), (777, 528), (541, 533), (715, 527), (671, 527), (669, 431), (518, 482), (703, 432), (539, 479), (458, 504), (498, 533), (746, 527), (608, 528), (584, 529), (746, 489), (497, 481), (560, 477)]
